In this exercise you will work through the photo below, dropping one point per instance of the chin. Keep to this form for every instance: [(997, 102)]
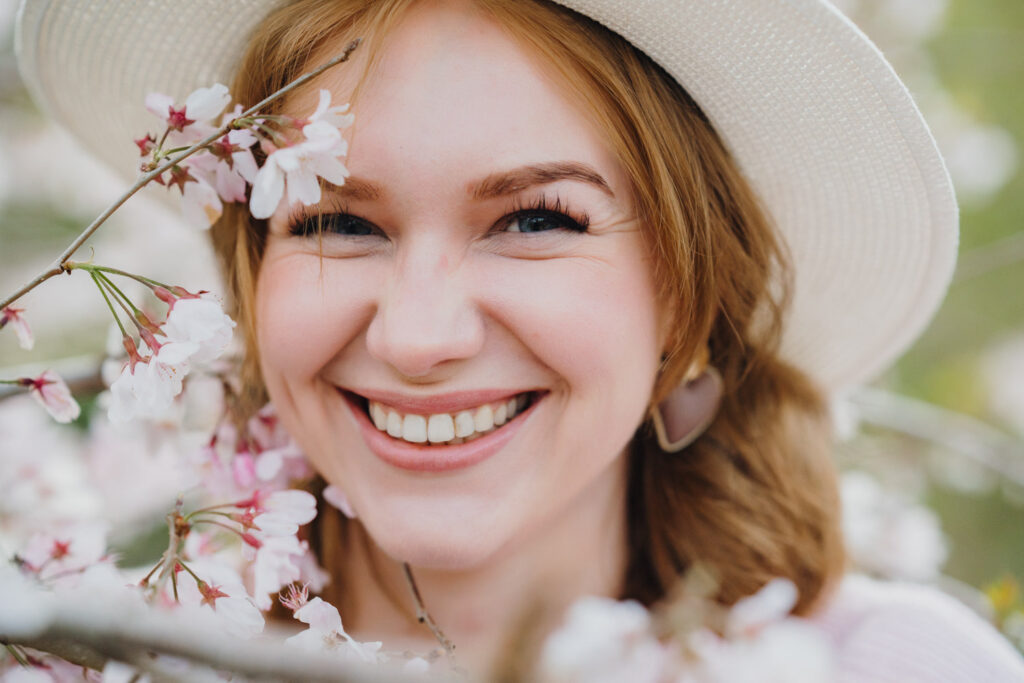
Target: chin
[(430, 541)]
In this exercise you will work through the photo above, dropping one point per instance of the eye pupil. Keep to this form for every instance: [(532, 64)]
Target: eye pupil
[(337, 224), (536, 223)]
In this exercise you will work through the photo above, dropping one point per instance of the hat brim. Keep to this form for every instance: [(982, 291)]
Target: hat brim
[(817, 120)]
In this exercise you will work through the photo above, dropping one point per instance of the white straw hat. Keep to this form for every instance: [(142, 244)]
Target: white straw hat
[(815, 117)]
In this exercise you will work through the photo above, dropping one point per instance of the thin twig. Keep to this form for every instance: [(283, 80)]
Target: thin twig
[(58, 266), (423, 616)]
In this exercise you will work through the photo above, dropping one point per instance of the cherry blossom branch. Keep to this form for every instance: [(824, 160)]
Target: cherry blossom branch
[(60, 264), (423, 616), (90, 629)]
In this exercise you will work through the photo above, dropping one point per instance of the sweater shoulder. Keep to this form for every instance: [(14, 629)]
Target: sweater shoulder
[(901, 632)]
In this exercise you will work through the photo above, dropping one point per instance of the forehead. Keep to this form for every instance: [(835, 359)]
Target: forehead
[(453, 92)]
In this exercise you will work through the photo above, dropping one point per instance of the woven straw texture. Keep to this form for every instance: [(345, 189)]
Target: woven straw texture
[(816, 118)]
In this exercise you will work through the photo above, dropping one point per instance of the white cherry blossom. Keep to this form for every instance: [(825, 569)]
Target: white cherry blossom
[(282, 512), (325, 632), (200, 204), (770, 604), (200, 321), (146, 388), (604, 641), (295, 168), (338, 116), (276, 565)]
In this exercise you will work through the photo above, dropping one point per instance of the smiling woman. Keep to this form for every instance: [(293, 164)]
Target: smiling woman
[(466, 337), (568, 319)]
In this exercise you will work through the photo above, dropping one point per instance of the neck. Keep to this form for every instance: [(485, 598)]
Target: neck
[(580, 551)]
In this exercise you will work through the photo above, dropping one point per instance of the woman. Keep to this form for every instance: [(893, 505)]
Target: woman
[(569, 328)]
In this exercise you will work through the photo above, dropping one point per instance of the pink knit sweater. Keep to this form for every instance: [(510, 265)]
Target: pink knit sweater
[(888, 632)]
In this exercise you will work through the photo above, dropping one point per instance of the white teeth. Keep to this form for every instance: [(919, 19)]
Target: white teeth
[(379, 415), (445, 428), (464, 425), (440, 428), (414, 428), (483, 419), (394, 425)]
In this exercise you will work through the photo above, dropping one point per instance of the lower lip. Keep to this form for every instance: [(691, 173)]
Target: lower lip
[(424, 458)]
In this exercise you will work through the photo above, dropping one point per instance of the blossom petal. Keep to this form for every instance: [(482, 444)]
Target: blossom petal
[(267, 189), (206, 103), (53, 394), (303, 187), (321, 616), (12, 316), (201, 204), (158, 104), (337, 498)]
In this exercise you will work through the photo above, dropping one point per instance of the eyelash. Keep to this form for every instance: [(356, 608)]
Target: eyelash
[(303, 224)]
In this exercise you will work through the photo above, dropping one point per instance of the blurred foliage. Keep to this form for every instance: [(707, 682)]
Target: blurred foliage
[(980, 60)]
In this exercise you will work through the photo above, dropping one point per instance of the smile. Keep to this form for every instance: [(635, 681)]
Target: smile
[(446, 428), (420, 436)]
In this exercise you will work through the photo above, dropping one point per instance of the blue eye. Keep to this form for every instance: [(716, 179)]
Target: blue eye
[(542, 221), (332, 223)]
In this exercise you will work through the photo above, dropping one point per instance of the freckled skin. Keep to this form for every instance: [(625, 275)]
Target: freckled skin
[(439, 303)]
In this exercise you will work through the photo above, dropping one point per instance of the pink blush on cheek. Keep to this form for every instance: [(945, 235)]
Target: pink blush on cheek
[(305, 314)]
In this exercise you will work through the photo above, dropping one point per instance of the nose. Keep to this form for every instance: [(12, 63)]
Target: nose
[(426, 314)]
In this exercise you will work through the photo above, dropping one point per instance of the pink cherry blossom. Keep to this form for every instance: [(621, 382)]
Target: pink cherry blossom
[(192, 119), (53, 394), (65, 550), (21, 327), (229, 166)]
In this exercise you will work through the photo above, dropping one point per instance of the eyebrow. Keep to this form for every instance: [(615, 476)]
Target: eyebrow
[(518, 179), (496, 184)]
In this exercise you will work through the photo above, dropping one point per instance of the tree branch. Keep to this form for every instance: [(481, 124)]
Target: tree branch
[(423, 616), (89, 627), (58, 266)]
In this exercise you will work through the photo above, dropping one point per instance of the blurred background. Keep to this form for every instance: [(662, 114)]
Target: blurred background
[(932, 453)]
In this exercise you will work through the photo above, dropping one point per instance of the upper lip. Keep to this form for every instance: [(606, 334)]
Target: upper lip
[(452, 402)]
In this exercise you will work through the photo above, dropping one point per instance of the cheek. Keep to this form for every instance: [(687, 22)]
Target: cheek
[(306, 310), (593, 321)]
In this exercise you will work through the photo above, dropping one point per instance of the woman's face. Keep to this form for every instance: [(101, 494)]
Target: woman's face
[(484, 252)]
